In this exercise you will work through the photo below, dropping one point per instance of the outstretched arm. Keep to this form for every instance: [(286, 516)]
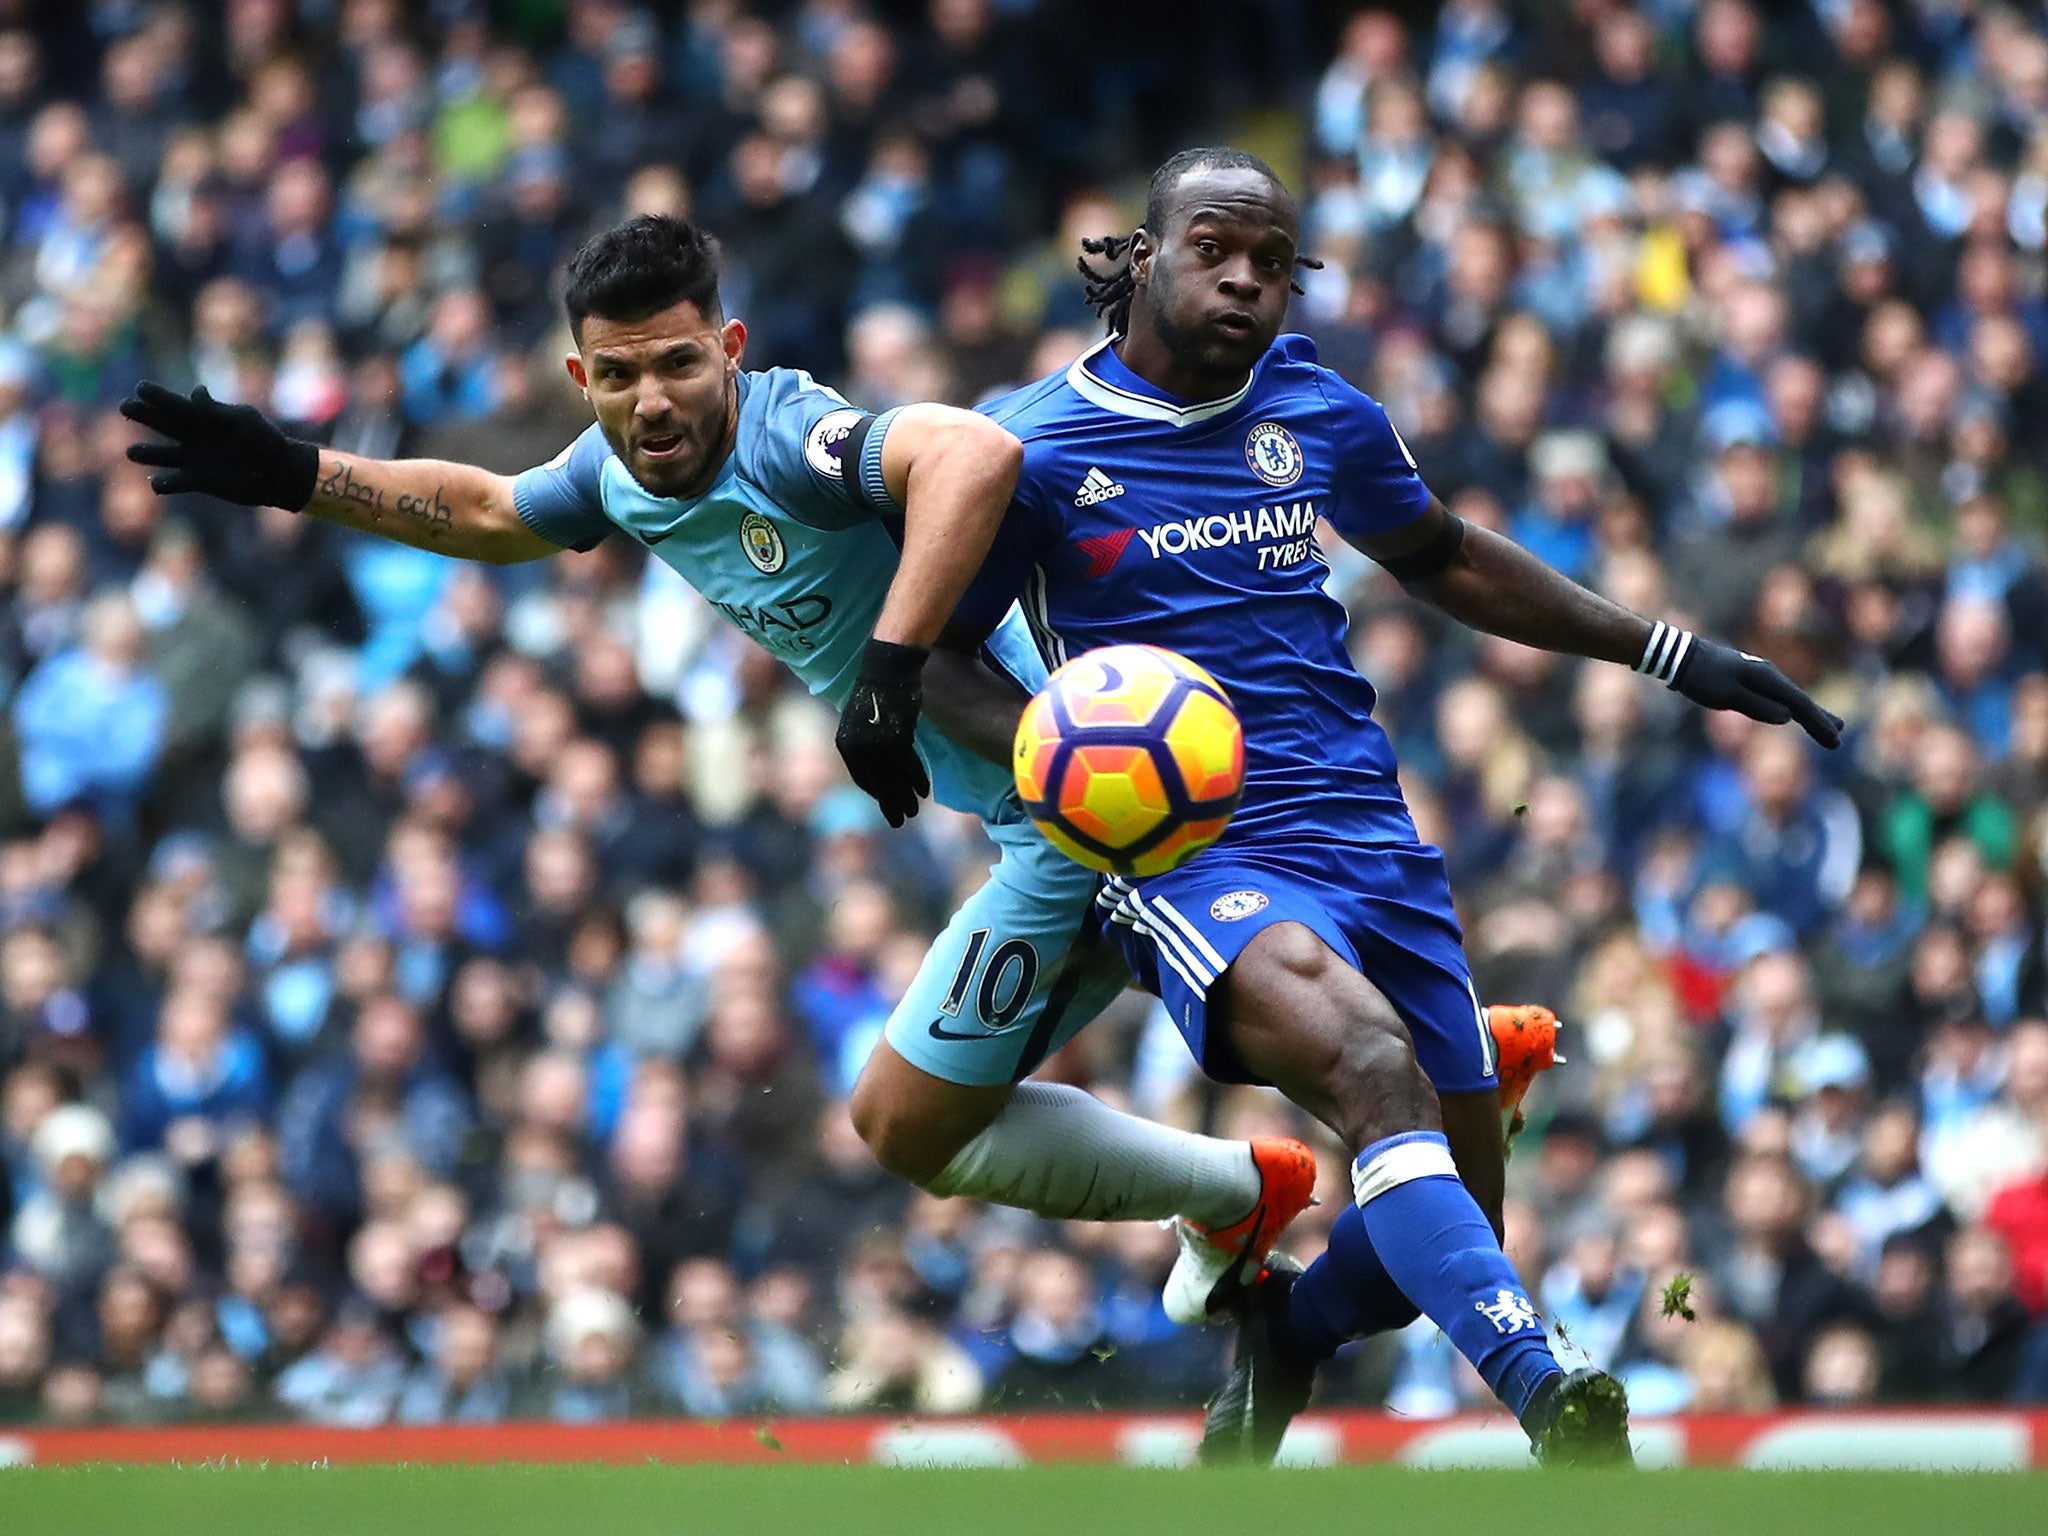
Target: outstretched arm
[(238, 454), (953, 473), (1494, 585), (451, 509)]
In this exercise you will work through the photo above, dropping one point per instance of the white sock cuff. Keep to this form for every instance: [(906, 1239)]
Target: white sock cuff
[(1402, 1163)]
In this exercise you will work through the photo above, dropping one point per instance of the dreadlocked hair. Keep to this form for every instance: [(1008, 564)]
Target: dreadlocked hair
[(1107, 285), (1107, 289)]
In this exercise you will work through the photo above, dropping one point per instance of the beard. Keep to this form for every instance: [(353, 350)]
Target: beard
[(684, 478), (1195, 348)]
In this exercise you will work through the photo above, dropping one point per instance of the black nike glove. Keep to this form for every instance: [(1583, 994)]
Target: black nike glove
[(234, 452), (1721, 677), (877, 729)]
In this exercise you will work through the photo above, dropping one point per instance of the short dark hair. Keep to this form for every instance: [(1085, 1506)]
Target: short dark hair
[(640, 268), (1209, 157)]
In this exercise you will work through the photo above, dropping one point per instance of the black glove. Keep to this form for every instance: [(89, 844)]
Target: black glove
[(234, 452), (1721, 677), (878, 727)]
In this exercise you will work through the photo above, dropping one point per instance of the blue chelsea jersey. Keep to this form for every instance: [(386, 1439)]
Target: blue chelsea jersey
[(795, 543), (1142, 518)]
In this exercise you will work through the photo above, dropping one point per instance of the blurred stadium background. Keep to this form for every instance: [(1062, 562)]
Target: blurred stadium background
[(429, 994)]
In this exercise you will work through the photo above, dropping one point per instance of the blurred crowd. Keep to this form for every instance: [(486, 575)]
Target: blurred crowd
[(430, 993)]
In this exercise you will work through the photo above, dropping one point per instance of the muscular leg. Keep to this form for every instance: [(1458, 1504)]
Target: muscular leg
[(916, 1123), (1306, 1021), (1310, 1025), (1472, 1126), (1307, 1048), (1047, 1148)]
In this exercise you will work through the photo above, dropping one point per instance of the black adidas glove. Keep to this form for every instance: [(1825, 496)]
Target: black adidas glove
[(878, 727), (1721, 677), (234, 452)]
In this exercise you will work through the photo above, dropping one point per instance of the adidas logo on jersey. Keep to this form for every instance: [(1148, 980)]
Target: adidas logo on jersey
[(1096, 487)]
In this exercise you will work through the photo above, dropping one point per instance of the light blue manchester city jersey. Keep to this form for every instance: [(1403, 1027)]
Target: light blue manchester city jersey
[(795, 543)]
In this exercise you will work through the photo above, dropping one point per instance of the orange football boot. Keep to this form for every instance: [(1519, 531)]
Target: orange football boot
[(1525, 1040), (1215, 1261)]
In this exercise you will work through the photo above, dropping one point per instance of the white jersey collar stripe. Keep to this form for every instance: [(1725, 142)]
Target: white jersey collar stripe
[(1124, 402)]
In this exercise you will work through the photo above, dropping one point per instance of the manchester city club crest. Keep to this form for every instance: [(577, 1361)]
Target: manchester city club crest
[(1228, 909), (762, 543), (1274, 455)]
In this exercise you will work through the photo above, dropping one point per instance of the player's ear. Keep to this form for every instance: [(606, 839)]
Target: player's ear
[(1143, 249), (574, 363), (733, 337)]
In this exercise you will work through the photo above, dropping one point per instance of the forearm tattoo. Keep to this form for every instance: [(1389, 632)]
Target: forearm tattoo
[(342, 488)]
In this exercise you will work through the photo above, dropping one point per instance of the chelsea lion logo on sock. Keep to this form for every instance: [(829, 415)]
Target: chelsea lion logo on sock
[(1509, 1312), (1228, 909), (1274, 455)]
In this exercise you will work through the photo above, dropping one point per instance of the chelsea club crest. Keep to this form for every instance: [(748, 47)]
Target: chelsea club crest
[(762, 543), (1237, 905), (1274, 455)]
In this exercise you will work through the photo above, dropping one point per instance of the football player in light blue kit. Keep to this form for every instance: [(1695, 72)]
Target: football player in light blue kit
[(786, 507), (1173, 484)]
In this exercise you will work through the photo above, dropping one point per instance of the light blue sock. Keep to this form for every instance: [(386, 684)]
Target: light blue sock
[(1436, 1244)]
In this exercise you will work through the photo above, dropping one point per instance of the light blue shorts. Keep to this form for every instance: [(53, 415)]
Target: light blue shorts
[(1022, 966)]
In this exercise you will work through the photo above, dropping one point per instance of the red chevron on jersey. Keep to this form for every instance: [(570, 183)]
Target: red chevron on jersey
[(1104, 550)]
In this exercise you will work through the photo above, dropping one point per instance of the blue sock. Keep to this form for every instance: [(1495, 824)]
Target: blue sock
[(1345, 1294), (1436, 1245)]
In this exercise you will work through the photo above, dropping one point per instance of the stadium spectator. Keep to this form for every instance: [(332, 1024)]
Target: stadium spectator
[(58, 1232), (1057, 1350), (351, 1380), (92, 719), (1728, 1371), (593, 1342), (893, 1362), (1982, 1326), (715, 1363), (201, 1081), (1842, 1367), (386, 1079), (462, 1383)]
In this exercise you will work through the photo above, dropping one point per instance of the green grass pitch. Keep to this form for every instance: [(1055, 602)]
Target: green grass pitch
[(1038, 1501)]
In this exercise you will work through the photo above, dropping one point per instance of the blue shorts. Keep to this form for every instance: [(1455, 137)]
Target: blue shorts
[(1022, 966), (1385, 909)]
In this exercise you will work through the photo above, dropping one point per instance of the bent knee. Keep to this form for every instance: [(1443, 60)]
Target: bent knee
[(904, 1147), (902, 1140)]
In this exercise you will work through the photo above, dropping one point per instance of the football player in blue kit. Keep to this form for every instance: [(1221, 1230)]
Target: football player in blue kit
[(1173, 481), (787, 508)]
